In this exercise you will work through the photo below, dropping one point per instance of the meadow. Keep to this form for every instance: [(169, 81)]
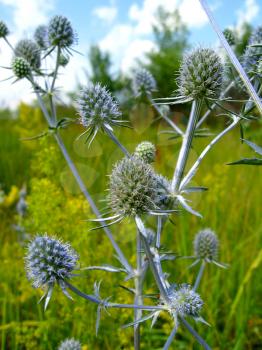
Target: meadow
[(231, 207)]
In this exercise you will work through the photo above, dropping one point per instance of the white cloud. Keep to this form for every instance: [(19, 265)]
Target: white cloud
[(248, 12), (106, 13), (136, 49)]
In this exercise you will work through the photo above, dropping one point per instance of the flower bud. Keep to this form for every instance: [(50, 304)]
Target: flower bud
[(70, 344), (20, 67), (147, 151), (133, 187), (30, 51), (143, 83), (60, 32), (252, 55), (206, 245), (4, 31), (49, 261), (230, 36), (201, 74), (63, 60)]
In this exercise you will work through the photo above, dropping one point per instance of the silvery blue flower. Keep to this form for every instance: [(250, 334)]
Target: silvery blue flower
[(206, 245), (70, 344), (30, 51), (201, 74), (98, 110), (49, 262), (252, 55), (144, 82), (60, 32), (41, 36), (185, 301)]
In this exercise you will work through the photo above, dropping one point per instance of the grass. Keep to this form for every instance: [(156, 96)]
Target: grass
[(231, 207)]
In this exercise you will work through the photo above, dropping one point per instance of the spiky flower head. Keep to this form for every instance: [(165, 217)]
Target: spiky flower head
[(97, 108), (70, 344), (253, 54), (41, 36), (133, 187), (30, 51), (60, 32), (185, 301), (230, 36), (206, 245), (20, 67), (144, 82), (4, 31), (147, 151), (201, 74), (48, 262)]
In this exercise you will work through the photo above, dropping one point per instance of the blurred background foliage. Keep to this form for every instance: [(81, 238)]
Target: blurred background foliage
[(231, 207)]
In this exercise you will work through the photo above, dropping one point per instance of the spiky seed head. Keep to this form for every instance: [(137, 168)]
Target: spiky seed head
[(201, 74), (49, 261), (252, 55), (70, 344), (147, 151), (20, 67), (41, 37), (4, 31), (133, 187), (97, 107), (63, 60), (30, 51), (230, 36), (185, 301), (144, 82), (206, 244), (60, 32)]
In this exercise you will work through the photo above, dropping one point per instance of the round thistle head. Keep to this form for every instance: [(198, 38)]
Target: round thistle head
[(20, 67), (201, 74), (206, 245), (41, 37), (230, 36), (133, 187), (70, 344), (30, 51), (147, 151), (185, 301), (97, 108), (49, 261), (252, 55), (60, 32), (4, 31), (143, 83)]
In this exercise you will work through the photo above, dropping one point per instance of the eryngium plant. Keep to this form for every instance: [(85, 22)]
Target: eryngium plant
[(201, 74), (30, 51), (49, 262), (147, 151), (135, 190), (143, 83), (4, 31), (60, 32), (70, 344), (41, 37)]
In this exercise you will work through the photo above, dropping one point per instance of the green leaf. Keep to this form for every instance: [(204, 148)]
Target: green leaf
[(247, 161)]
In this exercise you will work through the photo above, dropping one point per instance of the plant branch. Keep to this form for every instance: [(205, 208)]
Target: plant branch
[(232, 56), (170, 338), (199, 275)]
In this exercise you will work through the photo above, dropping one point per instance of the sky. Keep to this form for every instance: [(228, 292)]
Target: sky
[(122, 27)]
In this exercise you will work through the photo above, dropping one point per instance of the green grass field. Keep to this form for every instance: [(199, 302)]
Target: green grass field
[(231, 207)]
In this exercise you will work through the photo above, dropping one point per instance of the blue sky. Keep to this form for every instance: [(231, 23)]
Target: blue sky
[(122, 27)]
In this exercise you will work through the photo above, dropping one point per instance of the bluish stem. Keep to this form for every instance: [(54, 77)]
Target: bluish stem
[(199, 275)]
